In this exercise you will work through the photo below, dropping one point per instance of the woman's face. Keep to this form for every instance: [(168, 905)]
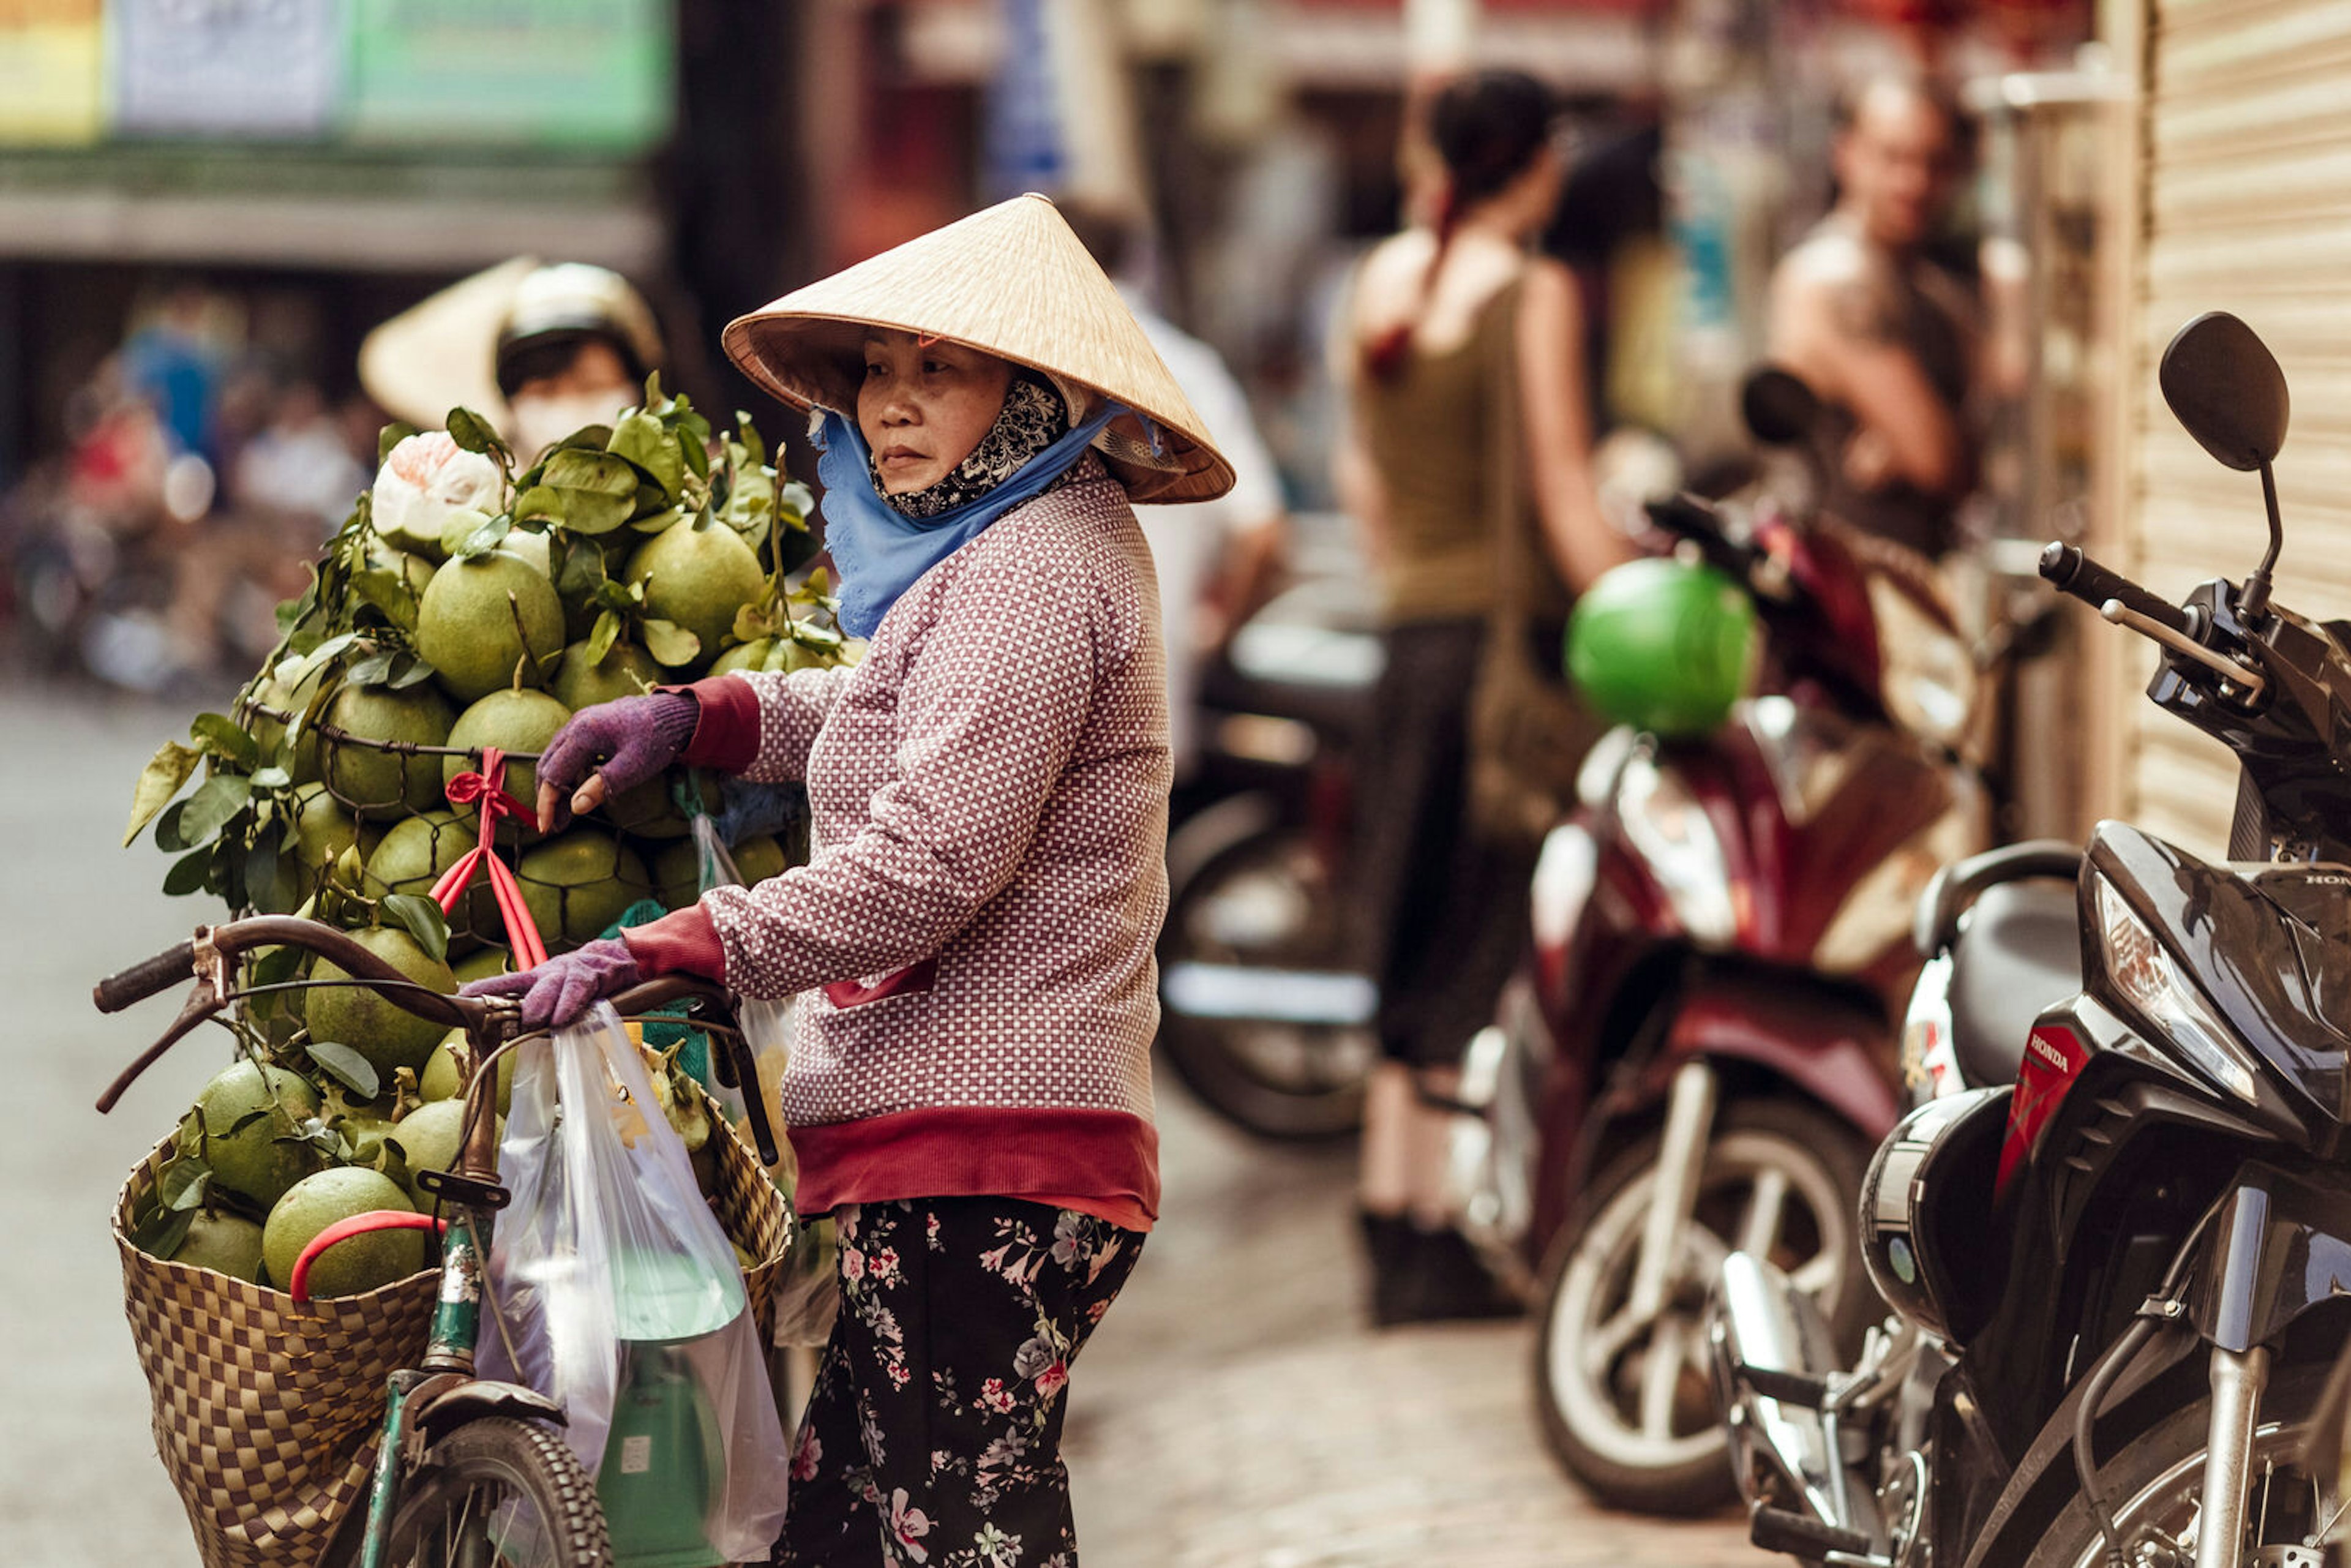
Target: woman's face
[(922, 408)]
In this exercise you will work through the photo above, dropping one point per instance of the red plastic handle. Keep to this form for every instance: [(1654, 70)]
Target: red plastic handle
[(357, 1225)]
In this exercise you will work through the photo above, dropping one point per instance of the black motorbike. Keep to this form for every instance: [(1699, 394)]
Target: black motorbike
[(2115, 1283)]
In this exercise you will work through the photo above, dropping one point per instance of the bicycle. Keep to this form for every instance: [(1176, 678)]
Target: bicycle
[(468, 1471)]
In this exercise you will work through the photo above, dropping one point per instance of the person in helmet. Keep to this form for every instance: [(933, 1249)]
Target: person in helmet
[(539, 350), (577, 346)]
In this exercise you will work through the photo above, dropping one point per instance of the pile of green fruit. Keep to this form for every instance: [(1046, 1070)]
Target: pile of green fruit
[(466, 602)]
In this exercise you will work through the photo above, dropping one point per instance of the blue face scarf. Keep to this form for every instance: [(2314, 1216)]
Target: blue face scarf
[(879, 550)]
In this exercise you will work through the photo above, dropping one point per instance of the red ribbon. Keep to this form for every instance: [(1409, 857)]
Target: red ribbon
[(487, 792)]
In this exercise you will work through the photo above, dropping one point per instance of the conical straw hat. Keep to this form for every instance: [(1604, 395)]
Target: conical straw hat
[(442, 353), (1012, 281)]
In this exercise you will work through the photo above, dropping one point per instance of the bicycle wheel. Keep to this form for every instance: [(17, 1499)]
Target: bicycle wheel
[(499, 1493)]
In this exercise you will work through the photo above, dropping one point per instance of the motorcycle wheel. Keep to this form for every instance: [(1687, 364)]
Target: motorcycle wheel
[(1257, 906), (2154, 1485), (1645, 1434)]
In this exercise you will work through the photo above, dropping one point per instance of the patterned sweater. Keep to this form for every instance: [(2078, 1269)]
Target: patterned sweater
[(972, 941)]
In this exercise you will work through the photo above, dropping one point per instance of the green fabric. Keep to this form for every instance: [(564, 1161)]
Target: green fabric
[(659, 1034), (1663, 645)]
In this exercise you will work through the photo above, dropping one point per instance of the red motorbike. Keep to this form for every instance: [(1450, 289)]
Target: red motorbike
[(1699, 1055)]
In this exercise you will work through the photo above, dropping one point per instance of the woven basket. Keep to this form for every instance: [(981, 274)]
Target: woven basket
[(266, 1412)]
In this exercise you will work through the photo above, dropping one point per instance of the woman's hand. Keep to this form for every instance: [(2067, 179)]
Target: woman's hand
[(558, 991), (609, 749)]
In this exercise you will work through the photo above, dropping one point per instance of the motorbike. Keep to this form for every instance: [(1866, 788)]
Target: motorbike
[(2117, 1282), (1262, 1015), (1699, 1055)]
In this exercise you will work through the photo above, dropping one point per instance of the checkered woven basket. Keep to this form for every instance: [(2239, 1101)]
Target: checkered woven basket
[(266, 1411)]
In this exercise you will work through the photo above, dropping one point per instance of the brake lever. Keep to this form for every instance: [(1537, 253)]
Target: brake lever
[(2251, 681), (202, 1002)]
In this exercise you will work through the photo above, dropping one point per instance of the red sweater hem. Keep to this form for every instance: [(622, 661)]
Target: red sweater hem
[(1102, 1163)]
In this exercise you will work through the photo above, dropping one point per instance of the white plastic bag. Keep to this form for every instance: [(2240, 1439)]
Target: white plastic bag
[(608, 1261), (807, 1292)]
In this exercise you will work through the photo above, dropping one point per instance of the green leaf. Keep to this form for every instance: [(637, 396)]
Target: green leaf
[(640, 438), (749, 434), (472, 431), (606, 631), (188, 874), (582, 569), (669, 642), (165, 1233), (388, 592), (162, 778), (602, 473), (197, 818), (272, 778), (421, 918), (373, 671), (587, 438), (217, 735), (346, 1067), (407, 670), (389, 436), (594, 512), (697, 457), (794, 502), (483, 539), (661, 521), (182, 1184), (539, 501), (753, 622)]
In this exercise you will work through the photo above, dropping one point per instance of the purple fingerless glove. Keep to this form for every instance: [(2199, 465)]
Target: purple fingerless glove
[(558, 991), (628, 742)]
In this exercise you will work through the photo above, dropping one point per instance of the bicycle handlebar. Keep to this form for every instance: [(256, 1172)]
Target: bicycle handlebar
[(730, 1054), (141, 981)]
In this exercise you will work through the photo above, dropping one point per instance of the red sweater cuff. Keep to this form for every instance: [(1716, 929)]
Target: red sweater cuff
[(684, 942), (726, 734)]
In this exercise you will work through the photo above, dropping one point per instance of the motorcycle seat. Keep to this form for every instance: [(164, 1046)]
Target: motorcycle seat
[(2019, 954)]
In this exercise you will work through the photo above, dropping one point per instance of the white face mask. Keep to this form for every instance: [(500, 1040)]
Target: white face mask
[(540, 422)]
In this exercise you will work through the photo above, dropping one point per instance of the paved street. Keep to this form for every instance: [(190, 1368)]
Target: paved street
[(1230, 1415)]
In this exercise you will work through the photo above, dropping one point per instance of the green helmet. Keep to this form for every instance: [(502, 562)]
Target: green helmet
[(1663, 645)]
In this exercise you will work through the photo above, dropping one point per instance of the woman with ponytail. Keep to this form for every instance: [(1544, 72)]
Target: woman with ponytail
[(1467, 462)]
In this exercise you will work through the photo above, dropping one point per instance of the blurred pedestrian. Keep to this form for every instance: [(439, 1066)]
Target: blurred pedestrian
[(540, 350), (1217, 561), (1883, 333), (1467, 463), (971, 940), (300, 463)]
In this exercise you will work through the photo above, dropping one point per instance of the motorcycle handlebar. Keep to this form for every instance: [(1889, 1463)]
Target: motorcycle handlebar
[(2069, 570)]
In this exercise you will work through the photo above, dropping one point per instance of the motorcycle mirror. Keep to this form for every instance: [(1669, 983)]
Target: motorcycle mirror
[(2225, 388), (1779, 408)]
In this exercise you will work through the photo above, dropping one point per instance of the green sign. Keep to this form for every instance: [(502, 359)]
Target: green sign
[(589, 74)]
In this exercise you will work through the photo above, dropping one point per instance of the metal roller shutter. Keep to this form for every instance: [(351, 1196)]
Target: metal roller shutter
[(2247, 208)]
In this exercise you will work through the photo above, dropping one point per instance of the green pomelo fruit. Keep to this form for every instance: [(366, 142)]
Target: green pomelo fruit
[(627, 671), (677, 874), (322, 828), (415, 853), (250, 1160), (760, 858), (224, 1243), (429, 1137), (366, 1135), (370, 779), (577, 884), (698, 578), (348, 1268), (511, 721), (268, 733), (440, 1080), (483, 965), (467, 626), (525, 545), (764, 654), (647, 811), (413, 568), (377, 1029)]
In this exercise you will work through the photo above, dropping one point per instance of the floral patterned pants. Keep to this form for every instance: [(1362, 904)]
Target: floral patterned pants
[(933, 1433)]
